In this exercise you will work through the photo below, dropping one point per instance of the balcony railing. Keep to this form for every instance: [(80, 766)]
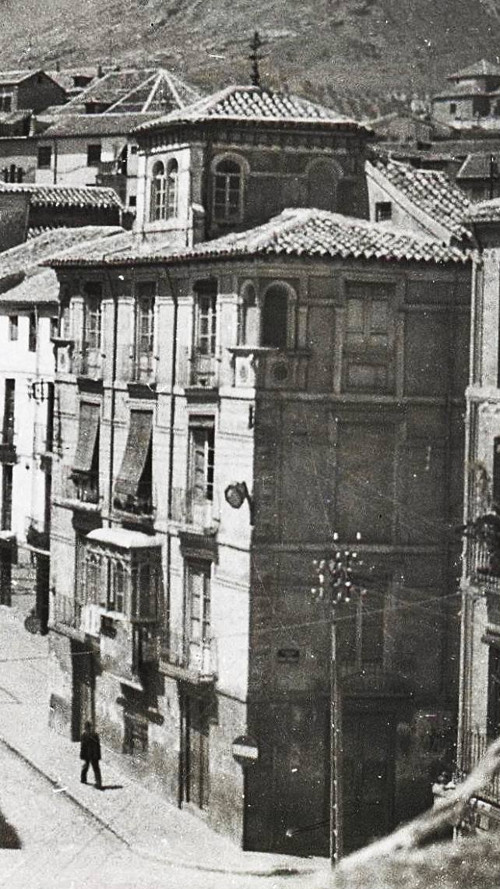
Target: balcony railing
[(144, 368), (194, 661), (87, 362), (189, 510), (480, 568), (67, 613), (199, 370), (140, 507), (80, 489), (474, 747), (37, 534), (268, 368)]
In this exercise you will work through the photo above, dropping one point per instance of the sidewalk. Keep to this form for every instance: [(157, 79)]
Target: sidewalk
[(138, 817)]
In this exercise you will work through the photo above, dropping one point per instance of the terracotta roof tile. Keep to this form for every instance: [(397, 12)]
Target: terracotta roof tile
[(96, 124), (485, 211), (254, 103), (82, 196), (432, 192), (26, 258), (295, 232)]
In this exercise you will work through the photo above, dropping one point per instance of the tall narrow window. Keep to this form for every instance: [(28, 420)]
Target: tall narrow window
[(198, 601), (248, 326), (201, 458), (92, 321), (32, 331), (13, 327), (7, 482), (368, 358), (158, 206), (9, 411), (206, 320), (144, 330), (172, 199), (228, 191), (134, 485), (275, 317)]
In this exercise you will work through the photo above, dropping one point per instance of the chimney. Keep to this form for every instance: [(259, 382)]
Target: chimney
[(100, 72)]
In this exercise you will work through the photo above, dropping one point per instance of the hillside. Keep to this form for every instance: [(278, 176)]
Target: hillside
[(357, 54)]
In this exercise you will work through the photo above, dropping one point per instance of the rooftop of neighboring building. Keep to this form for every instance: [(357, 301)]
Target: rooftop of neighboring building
[(485, 211), (78, 197), (294, 233), (19, 265), (482, 68), (479, 165), (114, 124), (134, 90), (255, 104), (430, 191), (12, 78)]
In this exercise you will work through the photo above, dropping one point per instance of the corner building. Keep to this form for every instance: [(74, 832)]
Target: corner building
[(225, 405)]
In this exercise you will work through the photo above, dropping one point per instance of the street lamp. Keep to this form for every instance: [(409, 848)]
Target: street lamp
[(336, 584)]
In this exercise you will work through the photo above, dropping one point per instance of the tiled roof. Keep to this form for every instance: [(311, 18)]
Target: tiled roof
[(26, 258), (82, 196), (483, 68), (254, 103), (8, 77), (478, 166), (485, 211), (432, 192), (96, 124), (41, 288), (295, 232)]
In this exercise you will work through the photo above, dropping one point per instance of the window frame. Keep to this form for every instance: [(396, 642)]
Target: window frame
[(370, 348), (172, 189), (144, 329), (44, 157), (94, 154), (226, 185), (201, 442), (13, 328), (32, 331), (158, 192)]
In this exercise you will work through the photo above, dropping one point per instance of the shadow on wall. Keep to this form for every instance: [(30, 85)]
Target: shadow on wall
[(9, 838)]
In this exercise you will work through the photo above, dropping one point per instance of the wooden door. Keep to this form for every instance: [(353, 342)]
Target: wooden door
[(197, 751), (368, 772)]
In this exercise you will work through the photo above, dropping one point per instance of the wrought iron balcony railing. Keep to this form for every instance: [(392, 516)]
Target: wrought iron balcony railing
[(193, 660), (194, 512), (37, 534), (482, 570), (474, 747), (87, 362)]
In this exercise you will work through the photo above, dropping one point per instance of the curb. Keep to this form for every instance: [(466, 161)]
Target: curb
[(276, 871)]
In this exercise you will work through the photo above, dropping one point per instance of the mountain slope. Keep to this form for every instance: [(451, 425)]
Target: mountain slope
[(356, 53)]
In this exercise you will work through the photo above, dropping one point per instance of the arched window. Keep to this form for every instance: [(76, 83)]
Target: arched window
[(228, 191), (172, 199), (158, 193), (274, 329), (248, 317), (323, 177)]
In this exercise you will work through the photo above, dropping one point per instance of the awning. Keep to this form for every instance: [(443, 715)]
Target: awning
[(123, 538), (136, 452), (87, 437)]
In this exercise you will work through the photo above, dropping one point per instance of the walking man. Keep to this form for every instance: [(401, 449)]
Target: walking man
[(90, 753)]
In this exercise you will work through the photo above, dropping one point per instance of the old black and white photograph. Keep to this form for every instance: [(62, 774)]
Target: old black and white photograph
[(249, 444)]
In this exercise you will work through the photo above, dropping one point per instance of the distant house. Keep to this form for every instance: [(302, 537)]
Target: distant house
[(418, 200), (473, 98), (28, 89), (27, 210)]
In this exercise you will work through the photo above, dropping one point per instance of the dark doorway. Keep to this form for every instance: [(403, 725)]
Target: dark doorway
[(197, 750), (83, 689), (369, 766)]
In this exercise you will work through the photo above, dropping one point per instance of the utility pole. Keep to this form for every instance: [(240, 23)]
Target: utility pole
[(336, 585), (255, 58)]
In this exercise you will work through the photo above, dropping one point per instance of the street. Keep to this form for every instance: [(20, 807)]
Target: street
[(74, 843)]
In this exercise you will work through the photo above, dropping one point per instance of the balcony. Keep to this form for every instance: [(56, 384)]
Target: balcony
[(79, 490), (74, 619), (136, 508), (482, 570), (193, 661), (269, 368), (38, 535), (87, 362), (144, 369), (199, 371), (192, 513), (128, 651), (7, 447), (474, 747)]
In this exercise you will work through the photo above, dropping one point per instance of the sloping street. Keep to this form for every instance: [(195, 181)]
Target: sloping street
[(71, 835)]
